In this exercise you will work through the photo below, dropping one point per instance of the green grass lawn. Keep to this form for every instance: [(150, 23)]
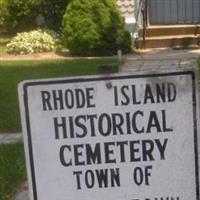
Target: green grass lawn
[(12, 164), (12, 169), (12, 72)]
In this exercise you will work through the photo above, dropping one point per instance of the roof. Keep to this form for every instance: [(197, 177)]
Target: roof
[(126, 7)]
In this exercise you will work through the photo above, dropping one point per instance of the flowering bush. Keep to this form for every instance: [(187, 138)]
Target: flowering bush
[(34, 42)]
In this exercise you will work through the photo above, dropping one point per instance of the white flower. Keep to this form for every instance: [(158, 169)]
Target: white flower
[(33, 42)]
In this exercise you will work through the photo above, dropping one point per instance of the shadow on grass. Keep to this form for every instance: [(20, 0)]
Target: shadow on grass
[(12, 169), (12, 72)]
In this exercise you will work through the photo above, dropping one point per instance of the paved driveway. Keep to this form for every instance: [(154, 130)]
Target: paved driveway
[(161, 60)]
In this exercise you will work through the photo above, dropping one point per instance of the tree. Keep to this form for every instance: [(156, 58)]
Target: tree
[(53, 11), (3, 14), (94, 27), (21, 14)]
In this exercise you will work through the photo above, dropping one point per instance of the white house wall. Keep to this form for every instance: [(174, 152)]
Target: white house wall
[(129, 9)]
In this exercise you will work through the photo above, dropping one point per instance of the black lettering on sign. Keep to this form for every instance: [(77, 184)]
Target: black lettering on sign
[(115, 177), (64, 157), (98, 178), (93, 156), (125, 98), (147, 149), (116, 96), (89, 179), (78, 154), (134, 96), (117, 122), (153, 122), (102, 177), (153, 93), (71, 127), (46, 105), (104, 124), (128, 123), (109, 152), (134, 150), (78, 180), (67, 99), (90, 97), (164, 120), (161, 147), (148, 95), (92, 126), (80, 123), (138, 176), (161, 91), (138, 122), (135, 127), (113, 152), (171, 92), (80, 98), (141, 175), (122, 150), (60, 127), (147, 174), (58, 99)]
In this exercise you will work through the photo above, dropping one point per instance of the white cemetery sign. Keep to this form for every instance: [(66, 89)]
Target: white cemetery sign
[(116, 137)]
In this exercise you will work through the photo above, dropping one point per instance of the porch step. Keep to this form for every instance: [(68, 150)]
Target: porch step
[(170, 36), (171, 30), (169, 41)]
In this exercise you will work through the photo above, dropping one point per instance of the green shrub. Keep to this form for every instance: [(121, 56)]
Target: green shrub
[(53, 11), (34, 42), (3, 14), (21, 14), (94, 27)]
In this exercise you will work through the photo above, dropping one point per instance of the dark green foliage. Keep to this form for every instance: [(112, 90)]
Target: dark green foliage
[(21, 14), (94, 28), (3, 14), (53, 11), (126, 44)]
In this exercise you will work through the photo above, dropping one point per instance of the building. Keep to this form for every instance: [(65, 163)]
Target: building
[(162, 23)]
